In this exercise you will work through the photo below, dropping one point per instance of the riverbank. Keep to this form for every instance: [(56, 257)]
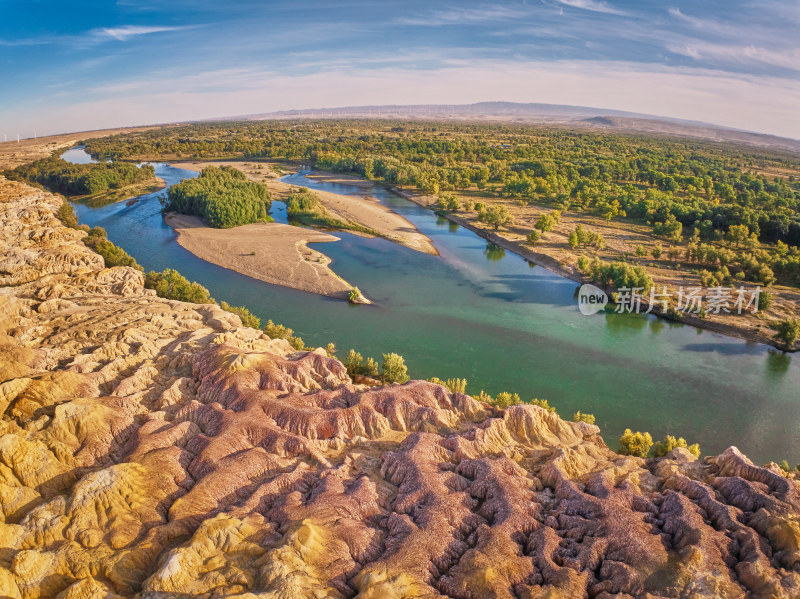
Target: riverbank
[(270, 252), (753, 328), (129, 192), (360, 209)]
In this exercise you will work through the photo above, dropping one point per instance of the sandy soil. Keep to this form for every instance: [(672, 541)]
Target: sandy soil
[(363, 210), (13, 154), (270, 252)]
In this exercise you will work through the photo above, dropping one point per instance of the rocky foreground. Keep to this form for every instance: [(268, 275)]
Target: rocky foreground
[(157, 448)]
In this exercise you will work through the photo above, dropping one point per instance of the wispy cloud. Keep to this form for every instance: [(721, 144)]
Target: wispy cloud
[(128, 31), (593, 5), (94, 36), (466, 16), (787, 59)]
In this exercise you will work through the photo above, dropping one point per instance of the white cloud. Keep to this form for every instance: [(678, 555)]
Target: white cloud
[(787, 59), (593, 5), (128, 31), (466, 16)]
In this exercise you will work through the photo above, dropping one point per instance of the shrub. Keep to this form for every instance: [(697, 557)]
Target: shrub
[(354, 362), (248, 318), (542, 403), (454, 385), (547, 222), (394, 368), (617, 274), (787, 331), (765, 300), (66, 214), (662, 448), (640, 251), (484, 397), (354, 296), (506, 399), (330, 349), (657, 250), (581, 417), (533, 237), (278, 331), (112, 254), (371, 368), (635, 444), (170, 284)]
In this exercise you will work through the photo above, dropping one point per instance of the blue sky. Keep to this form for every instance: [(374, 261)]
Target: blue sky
[(69, 66)]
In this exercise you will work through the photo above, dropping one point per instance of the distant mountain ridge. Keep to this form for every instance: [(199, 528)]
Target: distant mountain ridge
[(581, 117)]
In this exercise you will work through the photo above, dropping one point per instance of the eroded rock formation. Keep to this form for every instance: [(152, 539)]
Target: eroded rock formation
[(159, 449)]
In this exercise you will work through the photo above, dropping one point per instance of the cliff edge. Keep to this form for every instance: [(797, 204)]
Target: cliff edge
[(156, 448)]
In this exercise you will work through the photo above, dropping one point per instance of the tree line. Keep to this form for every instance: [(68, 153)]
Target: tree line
[(60, 176)]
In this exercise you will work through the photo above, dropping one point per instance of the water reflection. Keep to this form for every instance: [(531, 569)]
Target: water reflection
[(778, 362), (494, 252)]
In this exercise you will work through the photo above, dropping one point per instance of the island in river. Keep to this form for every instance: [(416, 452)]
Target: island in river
[(271, 252)]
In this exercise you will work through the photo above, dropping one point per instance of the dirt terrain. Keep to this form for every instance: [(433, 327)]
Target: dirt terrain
[(155, 448)]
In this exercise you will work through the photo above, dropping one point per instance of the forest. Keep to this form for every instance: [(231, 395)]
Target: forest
[(69, 179), (691, 190), (222, 196)]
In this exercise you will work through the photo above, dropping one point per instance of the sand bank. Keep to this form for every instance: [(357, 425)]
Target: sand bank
[(270, 252)]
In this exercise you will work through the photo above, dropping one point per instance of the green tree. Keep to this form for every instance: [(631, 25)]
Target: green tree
[(581, 417), (506, 399), (498, 216), (248, 318), (662, 448), (657, 251), (542, 403), (635, 444), (765, 300), (787, 332), (533, 237), (170, 284), (354, 363), (394, 368), (371, 368), (573, 240)]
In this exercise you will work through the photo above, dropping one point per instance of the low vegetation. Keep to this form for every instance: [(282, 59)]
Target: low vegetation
[(248, 318), (278, 331), (170, 284), (636, 444), (453, 385), (221, 196), (304, 207)]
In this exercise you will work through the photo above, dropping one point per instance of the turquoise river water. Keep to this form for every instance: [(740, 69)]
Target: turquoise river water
[(504, 324)]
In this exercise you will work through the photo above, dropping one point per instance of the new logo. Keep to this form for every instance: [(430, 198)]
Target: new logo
[(591, 299)]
